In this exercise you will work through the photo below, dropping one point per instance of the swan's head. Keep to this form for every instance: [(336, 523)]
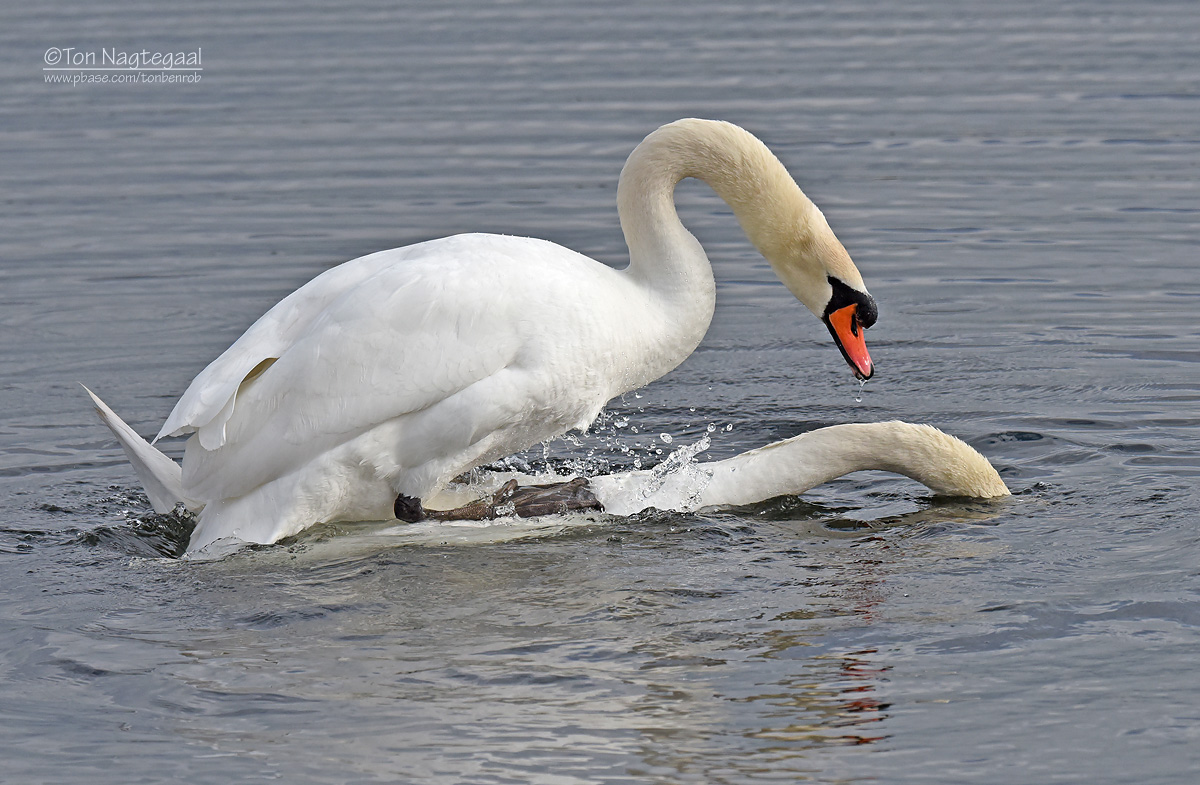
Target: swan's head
[(816, 268), (847, 314), (786, 227)]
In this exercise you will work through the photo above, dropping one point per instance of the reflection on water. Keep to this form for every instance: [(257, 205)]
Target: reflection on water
[(636, 624), (841, 701)]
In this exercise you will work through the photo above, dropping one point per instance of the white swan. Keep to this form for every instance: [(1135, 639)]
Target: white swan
[(941, 462), (464, 512), (395, 372), (944, 464)]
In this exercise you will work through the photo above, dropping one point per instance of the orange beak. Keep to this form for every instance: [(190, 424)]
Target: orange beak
[(848, 334)]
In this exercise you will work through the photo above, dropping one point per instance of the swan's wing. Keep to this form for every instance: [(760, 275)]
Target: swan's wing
[(207, 403), (413, 336)]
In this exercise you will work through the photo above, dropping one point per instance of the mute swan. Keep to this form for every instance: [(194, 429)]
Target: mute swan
[(395, 372), (941, 462)]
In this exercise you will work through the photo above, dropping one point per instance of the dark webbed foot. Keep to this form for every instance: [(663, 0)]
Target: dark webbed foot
[(529, 501), (534, 500), (409, 509), (481, 510)]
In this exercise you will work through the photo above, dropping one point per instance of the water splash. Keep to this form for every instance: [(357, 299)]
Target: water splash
[(675, 484), (617, 445), (681, 457)]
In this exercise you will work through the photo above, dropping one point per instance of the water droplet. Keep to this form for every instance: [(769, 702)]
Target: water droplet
[(859, 395), (710, 428), (665, 438), (728, 427)]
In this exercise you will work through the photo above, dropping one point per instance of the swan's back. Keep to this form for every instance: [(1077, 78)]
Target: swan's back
[(444, 345)]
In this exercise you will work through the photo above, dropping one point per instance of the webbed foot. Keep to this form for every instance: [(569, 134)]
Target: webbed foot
[(529, 501), (409, 509), (534, 500)]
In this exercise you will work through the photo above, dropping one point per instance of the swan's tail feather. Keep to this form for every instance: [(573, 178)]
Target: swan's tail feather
[(161, 477)]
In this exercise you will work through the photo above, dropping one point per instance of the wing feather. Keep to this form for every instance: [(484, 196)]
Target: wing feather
[(418, 332), (208, 400)]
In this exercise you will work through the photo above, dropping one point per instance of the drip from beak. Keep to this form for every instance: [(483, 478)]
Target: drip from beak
[(847, 333)]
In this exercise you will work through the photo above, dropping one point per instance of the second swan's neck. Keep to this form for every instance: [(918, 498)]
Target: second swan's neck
[(939, 461)]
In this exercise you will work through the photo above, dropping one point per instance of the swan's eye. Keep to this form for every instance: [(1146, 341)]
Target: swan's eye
[(867, 312), (843, 296)]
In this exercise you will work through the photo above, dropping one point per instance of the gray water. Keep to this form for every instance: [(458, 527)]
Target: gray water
[(1018, 183)]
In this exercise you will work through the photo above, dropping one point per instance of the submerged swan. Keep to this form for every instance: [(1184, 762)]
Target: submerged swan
[(393, 373), (941, 462)]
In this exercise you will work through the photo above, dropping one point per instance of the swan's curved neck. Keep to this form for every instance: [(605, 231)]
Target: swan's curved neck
[(785, 226), (929, 456), (935, 459)]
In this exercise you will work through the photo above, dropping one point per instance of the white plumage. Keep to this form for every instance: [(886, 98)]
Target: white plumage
[(395, 372), (941, 462)]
